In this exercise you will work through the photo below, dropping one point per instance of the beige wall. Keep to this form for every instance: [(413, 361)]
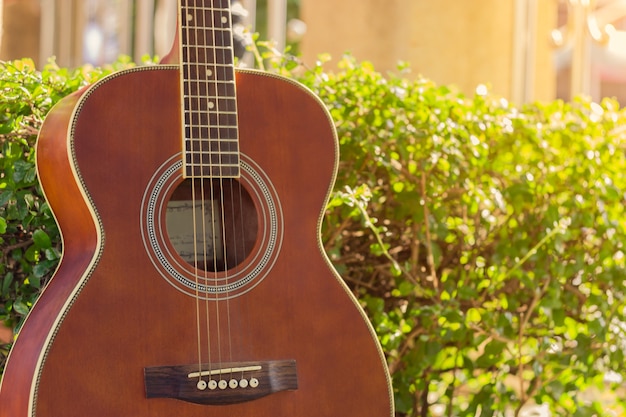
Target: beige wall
[(460, 42), (20, 29)]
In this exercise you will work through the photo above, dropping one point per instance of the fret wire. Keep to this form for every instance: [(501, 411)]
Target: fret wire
[(201, 165), (221, 98), (204, 48), (214, 82), (201, 111), (210, 47), (212, 113), (207, 8), (200, 64), (224, 140), (203, 79), (206, 127), (206, 145), (204, 29), (201, 115), (209, 98), (212, 153)]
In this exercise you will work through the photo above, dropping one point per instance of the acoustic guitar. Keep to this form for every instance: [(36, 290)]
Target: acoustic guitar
[(193, 280)]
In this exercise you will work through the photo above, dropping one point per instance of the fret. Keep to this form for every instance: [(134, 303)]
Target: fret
[(209, 49), (201, 116), (210, 76), (195, 119), (221, 116), (219, 88), (202, 4), (197, 17), (206, 17), (216, 73), (215, 171), (213, 75), (208, 65), (221, 158), (218, 145), (190, 27), (208, 56), (210, 133), (202, 102), (220, 4), (210, 90), (204, 132), (221, 43)]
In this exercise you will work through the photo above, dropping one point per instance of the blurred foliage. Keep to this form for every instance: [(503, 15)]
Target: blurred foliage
[(483, 239)]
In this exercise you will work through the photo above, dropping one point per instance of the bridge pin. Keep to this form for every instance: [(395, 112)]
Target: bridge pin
[(222, 384), (254, 382), (202, 385), (212, 384), (243, 383), (233, 383)]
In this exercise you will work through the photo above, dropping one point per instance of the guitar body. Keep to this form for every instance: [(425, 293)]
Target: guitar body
[(124, 299)]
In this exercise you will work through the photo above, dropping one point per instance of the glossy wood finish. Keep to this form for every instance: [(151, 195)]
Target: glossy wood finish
[(107, 314)]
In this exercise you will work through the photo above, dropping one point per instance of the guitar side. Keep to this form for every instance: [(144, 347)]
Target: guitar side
[(80, 241), (107, 314)]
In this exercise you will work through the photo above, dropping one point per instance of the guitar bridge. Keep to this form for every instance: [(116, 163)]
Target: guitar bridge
[(226, 383)]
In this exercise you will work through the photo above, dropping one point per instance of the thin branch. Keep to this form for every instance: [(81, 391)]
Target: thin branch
[(20, 245), (429, 244)]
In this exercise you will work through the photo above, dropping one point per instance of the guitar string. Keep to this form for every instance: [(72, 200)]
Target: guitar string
[(231, 108), (218, 26), (203, 68), (188, 119), (238, 256), (228, 63), (208, 73)]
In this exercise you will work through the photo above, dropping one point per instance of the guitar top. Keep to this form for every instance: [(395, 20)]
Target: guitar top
[(193, 280)]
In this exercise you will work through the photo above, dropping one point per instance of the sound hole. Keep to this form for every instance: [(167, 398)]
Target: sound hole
[(222, 231)]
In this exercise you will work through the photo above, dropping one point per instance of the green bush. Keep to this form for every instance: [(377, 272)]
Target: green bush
[(484, 240)]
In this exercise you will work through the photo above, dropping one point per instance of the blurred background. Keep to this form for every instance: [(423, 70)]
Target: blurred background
[(524, 50)]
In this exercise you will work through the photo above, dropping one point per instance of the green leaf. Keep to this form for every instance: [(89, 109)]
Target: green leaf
[(5, 196), (20, 307), (7, 281), (473, 315), (42, 268), (41, 239)]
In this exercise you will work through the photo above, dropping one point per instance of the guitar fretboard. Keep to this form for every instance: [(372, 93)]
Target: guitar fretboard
[(211, 138)]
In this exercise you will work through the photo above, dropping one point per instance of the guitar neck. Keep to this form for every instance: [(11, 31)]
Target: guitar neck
[(208, 93)]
